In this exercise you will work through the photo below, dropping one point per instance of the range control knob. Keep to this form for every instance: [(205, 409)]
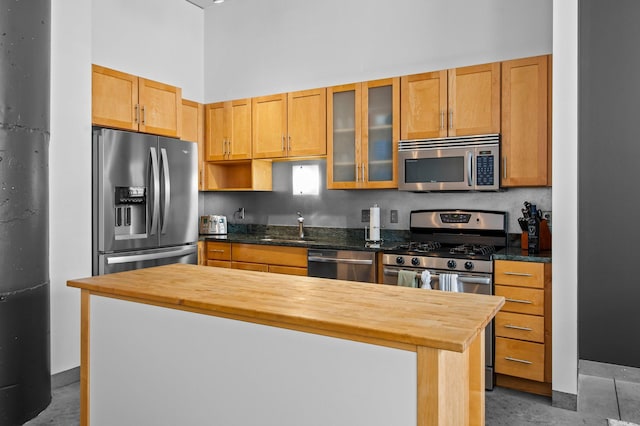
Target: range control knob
[(451, 264), (468, 265), (415, 261), (400, 260)]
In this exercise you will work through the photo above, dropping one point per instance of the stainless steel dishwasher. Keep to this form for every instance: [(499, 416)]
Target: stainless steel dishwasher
[(351, 265)]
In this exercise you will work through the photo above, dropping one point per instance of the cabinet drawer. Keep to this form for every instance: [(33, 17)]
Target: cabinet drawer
[(520, 359), (218, 251), (521, 274), (219, 263), (522, 300), (260, 267), (289, 270), (272, 255), (520, 326)]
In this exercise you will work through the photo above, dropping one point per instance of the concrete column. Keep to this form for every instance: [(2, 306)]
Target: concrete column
[(25, 373)]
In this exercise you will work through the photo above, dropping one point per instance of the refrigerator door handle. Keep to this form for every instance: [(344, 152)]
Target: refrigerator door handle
[(156, 190), (167, 189), (151, 256)]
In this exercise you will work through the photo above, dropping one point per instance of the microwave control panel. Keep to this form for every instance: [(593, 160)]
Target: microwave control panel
[(485, 170)]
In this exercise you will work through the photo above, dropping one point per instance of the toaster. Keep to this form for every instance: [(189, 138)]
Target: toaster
[(213, 224)]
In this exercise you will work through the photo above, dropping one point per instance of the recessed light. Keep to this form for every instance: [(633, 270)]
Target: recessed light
[(218, 1)]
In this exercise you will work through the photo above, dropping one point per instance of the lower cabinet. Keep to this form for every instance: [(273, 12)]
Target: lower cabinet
[(257, 257), (268, 258), (523, 326), (219, 254)]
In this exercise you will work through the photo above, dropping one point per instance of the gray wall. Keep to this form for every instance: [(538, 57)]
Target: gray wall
[(609, 96), (341, 208)]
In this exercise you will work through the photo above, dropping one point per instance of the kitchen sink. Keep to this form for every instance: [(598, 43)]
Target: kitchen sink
[(286, 240)]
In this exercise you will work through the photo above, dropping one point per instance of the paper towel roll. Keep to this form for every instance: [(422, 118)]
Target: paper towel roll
[(374, 223)]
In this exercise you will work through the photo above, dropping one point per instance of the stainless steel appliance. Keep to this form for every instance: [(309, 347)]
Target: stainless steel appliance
[(145, 201), (350, 265), (213, 224), (468, 163), (458, 242)]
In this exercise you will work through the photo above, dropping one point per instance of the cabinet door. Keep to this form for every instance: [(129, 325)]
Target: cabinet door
[(344, 106), (269, 126), (114, 98), (193, 130), (424, 105), (474, 100), (216, 139), (160, 108), (307, 123), (239, 129), (380, 132), (525, 146)]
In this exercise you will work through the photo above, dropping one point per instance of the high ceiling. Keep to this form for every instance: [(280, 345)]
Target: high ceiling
[(203, 4)]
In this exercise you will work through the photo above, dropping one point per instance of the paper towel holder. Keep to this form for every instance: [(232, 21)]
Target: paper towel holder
[(372, 234)]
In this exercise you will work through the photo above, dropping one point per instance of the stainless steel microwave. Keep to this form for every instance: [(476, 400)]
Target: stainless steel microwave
[(467, 163)]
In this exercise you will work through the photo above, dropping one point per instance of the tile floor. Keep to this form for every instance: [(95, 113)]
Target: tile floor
[(605, 392)]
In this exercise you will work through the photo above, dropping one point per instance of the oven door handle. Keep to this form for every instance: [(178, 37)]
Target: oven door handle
[(463, 279), (470, 168)]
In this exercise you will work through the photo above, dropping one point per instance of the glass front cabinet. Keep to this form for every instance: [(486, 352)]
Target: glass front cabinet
[(362, 134)]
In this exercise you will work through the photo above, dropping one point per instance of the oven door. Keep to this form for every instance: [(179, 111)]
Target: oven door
[(468, 283)]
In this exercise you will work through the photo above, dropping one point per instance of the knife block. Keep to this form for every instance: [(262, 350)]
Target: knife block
[(545, 237)]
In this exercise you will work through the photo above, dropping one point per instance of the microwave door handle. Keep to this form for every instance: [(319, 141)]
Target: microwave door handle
[(470, 168)]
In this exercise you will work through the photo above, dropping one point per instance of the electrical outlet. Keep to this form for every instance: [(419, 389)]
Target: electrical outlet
[(394, 216), (365, 215)]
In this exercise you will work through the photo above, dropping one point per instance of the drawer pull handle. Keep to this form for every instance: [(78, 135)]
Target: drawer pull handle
[(518, 274), (517, 327), (216, 251), (522, 361), (526, 302)]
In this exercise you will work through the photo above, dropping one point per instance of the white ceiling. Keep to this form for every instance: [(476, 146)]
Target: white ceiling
[(202, 4)]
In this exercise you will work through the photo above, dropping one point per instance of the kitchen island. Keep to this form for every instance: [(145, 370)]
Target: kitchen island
[(186, 344)]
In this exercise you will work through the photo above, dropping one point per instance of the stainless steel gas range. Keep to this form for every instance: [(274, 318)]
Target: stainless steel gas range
[(451, 243)]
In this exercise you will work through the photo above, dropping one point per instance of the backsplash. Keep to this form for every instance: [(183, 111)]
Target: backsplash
[(342, 208)]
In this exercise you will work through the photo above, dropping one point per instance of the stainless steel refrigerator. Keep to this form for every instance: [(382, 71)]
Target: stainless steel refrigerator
[(145, 201)]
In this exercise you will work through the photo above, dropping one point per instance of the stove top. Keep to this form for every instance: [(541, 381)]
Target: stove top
[(451, 239)]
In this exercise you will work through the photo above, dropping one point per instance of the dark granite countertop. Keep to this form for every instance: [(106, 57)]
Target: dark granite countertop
[(345, 239), (327, 238)]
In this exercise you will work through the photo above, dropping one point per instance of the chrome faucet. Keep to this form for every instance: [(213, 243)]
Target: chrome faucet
[(300, 226)]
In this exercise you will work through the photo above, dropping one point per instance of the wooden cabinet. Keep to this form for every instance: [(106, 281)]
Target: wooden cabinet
[(193, 130), (268, 258), (129, 102), (202, 253), (525, 122), (455, 102), (523, 326), (219, 254), (362, 134), (228, 135), (290, 125), (238, 175)]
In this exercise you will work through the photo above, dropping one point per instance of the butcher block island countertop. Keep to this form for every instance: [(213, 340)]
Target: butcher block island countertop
[(445, 330)]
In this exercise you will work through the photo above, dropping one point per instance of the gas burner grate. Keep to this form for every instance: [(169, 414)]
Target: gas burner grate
[(473, 249), (420, 246)]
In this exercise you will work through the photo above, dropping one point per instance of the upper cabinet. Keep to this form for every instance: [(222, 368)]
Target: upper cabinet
[(228, 134), (525, 122), (290, 125), (362, 134), (193, 130), (129, 102), (455, 102)]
